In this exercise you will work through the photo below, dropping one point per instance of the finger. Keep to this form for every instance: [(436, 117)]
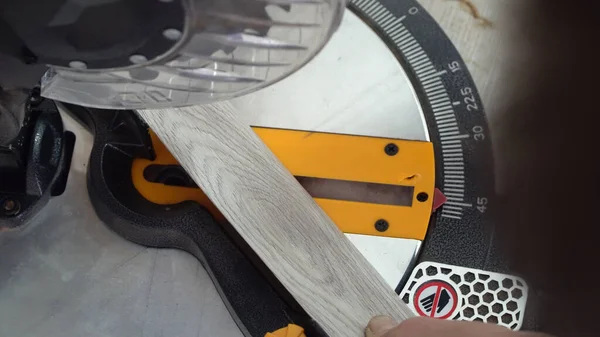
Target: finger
[(380, 325), (429, 327)]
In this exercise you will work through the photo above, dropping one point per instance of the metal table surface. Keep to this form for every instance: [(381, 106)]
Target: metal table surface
[(67, 274)]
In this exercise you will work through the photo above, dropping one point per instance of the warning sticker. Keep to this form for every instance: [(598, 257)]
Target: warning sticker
[(437, 299)]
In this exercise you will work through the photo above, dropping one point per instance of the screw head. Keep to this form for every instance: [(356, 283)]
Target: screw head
[(422, 197), (172, 34), (381, 225), (137, 59), (77, 65), (10, 207), (391, 149)]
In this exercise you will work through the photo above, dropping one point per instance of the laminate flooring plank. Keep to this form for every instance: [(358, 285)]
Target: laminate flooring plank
[(309, 255)]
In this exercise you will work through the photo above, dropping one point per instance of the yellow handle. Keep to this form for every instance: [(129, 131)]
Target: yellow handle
[(291, 330)]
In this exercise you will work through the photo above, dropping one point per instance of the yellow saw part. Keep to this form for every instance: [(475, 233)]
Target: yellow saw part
[(338, 160), (291, 330)]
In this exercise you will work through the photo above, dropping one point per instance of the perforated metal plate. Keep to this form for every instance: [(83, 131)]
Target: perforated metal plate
[(480, 295)]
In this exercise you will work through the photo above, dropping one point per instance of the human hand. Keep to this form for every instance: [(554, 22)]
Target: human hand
[(382, 326)]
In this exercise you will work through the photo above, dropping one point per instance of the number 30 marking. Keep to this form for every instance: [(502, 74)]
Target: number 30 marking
[(478, 133)]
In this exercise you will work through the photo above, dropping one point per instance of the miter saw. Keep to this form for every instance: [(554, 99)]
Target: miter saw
[(384, 128)]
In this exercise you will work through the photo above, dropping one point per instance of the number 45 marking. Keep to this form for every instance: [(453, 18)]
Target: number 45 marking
[(482, 204)]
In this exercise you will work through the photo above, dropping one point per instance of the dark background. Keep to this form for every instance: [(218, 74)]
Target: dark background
[(549, 167)]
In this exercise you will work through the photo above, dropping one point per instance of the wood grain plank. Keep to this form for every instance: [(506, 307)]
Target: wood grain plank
[(332, 281)]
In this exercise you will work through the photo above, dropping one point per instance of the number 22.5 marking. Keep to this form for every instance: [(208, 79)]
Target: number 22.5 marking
[(469, 99)]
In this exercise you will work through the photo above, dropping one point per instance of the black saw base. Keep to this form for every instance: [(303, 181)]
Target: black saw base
[(256, 301), (35, 155)]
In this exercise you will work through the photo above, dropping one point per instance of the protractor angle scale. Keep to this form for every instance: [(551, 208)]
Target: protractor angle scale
[(460, 232)]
